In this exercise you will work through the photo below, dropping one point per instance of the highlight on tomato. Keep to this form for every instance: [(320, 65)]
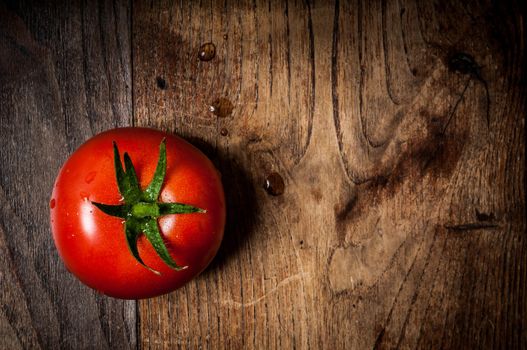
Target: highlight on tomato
[(141, 229)]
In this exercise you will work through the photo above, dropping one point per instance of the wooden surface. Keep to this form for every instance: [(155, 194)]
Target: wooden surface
[(398, 127), (65, 74)]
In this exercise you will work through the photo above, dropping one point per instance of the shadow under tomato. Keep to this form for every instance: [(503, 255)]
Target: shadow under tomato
[(241, 201)]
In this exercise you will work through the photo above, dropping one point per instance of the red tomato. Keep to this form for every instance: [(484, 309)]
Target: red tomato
[(93, 244)]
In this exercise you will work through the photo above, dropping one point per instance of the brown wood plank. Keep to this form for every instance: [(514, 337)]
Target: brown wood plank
[(65, 74), (403, 219)]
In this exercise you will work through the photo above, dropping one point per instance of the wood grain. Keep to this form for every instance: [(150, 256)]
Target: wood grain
[(398, 127), (65, 75), (402, 224)]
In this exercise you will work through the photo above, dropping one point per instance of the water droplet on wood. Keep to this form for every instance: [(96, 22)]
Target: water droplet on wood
[(207, 52), (224, 132), (221, 107), (274, 184)]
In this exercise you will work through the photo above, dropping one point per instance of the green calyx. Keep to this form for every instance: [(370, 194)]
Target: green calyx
[(141, 209)]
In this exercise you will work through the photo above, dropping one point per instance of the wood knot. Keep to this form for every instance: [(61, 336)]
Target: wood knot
[(463, 63)]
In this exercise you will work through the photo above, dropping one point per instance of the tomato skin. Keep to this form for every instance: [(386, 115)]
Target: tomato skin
[(92, 244)]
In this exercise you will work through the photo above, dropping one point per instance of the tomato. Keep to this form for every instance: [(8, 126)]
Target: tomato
[(123, 238)]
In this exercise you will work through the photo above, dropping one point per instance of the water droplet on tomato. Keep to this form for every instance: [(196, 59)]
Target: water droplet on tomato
[(207, 52), (52, 203), (274, 184), (221, 107), (90, 177), (84, 195)]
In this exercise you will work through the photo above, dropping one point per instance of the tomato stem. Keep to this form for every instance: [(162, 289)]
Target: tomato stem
[(141, 208)]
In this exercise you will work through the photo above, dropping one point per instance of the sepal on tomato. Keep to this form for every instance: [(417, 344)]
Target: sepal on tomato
[(151, 193), (132, 230), (120, 211)]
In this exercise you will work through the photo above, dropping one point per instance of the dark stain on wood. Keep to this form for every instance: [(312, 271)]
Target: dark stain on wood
[(482, 216), (161, 83)]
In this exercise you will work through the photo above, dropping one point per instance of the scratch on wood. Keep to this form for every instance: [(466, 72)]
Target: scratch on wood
[(379, 338), (286, 281), (471, 226)]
